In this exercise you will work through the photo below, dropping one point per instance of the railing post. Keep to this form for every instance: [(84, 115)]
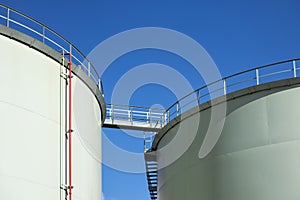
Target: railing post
[(257, 76), (99, 85), (150, 113), (294, 68), (7, 17), (177, 108), (70, 50), (89, 68), (129, 115), (169, 116), (224, 86), (147, 119), (112, 115), (43, 35), (198, 97), (109, 112)]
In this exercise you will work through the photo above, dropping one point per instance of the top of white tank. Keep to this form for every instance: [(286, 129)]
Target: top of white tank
[(18, 26), (18, 21)]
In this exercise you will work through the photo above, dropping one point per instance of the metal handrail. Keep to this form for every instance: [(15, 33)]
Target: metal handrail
[(258, 76), (158, 117), (41, 35), (152, 116)]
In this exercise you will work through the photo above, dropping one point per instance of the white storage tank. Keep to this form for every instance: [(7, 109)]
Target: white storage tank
[(256, 155), (34, 114)]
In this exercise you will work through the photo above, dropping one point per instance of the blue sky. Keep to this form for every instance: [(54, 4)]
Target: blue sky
[(238, 35)]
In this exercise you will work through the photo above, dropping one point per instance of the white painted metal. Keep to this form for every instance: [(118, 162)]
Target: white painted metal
[(256, 156), (32, 133)]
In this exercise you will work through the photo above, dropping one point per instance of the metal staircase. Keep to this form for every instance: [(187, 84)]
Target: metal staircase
[(151, 172), (149, 120)]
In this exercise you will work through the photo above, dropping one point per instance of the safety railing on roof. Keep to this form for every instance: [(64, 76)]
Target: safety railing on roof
[(135, 116), (255, 76), (14, 19)]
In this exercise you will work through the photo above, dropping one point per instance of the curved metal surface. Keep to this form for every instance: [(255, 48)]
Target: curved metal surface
[(255, 76), (268, 88), (33, 104), (256, 152), (46, 35)]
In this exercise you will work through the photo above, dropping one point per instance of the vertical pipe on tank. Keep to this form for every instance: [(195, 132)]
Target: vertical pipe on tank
[(70, 121), (70, 124)]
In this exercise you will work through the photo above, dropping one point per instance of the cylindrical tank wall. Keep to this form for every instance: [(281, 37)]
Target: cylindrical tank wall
[(33, 113), (256, 156)]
